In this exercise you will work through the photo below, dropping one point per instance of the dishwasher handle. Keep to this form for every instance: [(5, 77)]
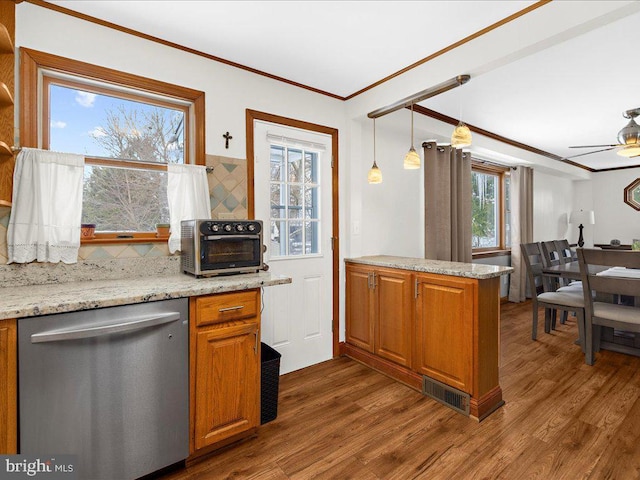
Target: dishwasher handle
[(126, 325)]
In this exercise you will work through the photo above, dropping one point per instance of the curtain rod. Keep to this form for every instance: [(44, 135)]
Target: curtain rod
[(209, 169), (423, 95)]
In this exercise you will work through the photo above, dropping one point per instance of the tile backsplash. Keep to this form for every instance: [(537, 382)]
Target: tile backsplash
[(228, 195)]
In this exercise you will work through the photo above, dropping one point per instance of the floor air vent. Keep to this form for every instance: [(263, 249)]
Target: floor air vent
[(447, 395)]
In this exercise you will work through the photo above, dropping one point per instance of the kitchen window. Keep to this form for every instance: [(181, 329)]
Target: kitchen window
[(127, 127), (490, 196)]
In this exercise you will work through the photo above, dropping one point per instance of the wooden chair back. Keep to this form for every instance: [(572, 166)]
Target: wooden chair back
[(552, 254), (617, 285), (563, 247), (535, 262)]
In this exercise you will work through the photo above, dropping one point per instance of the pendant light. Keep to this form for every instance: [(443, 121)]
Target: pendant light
[(375, 174), (461, 136), (411, 159)]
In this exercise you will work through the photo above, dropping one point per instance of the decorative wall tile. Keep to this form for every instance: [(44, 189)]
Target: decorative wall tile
[(228, 186)]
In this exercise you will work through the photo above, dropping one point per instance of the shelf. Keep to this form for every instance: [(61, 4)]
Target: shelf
[(5, 151), (6, 99), (6, 46)]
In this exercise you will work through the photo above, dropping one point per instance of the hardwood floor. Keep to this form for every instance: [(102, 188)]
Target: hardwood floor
[(562, 420)]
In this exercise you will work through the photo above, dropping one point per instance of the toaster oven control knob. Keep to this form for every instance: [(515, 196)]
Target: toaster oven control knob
[(214, 227), (227, 228), (240, 227), (251, 227)]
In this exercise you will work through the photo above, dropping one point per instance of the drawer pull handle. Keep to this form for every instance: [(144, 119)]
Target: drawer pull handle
[(230, 309)]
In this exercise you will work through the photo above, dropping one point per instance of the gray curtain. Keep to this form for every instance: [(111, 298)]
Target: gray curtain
[(521, 229), (447, 197)]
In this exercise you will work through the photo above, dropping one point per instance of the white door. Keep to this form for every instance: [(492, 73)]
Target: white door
[(292, 182)]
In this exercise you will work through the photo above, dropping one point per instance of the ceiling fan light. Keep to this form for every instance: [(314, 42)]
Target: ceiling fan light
[(630, 134), (411, 160), (461, 136), (630, 151)]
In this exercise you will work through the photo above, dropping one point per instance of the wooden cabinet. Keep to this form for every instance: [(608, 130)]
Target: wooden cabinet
[(444, 319), (8, 387), (7, 69), (379, 305), (225, 368), (359, 305), (410, 324)]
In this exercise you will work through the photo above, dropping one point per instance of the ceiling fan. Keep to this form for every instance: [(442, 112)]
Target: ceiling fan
[(629, 138)]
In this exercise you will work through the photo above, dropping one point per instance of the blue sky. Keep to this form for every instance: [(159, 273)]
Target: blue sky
[(78, 116)]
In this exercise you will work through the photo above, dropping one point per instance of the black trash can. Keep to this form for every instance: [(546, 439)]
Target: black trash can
[(270, 380)]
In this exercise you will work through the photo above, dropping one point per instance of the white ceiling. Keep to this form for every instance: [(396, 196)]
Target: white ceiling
[(572, 92)]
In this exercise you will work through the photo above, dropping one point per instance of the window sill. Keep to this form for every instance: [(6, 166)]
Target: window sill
[(490, 253), (109, 240)]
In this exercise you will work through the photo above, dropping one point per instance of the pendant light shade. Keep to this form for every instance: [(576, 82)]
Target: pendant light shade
[(375, 174), (411, 159), (461, 136)]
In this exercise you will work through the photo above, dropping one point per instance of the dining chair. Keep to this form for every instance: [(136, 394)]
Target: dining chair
[(608, 287), (543, 294), (553, 256), (564, 248)]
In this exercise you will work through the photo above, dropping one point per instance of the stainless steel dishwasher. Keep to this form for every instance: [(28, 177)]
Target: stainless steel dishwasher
[(109, 385)]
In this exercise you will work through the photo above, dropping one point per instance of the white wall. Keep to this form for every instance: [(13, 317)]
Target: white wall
[(552, 203), (604, 195), (391, 211)]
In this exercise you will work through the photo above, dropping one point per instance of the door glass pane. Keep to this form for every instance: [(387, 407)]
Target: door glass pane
[(277, 163), (295, 238), (311, 237), (310, 167), (278, 243), (294, 158), (311, 202), (278, 204), (295, 201)]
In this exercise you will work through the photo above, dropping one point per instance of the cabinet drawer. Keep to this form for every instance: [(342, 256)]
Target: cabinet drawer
[(226, 307)]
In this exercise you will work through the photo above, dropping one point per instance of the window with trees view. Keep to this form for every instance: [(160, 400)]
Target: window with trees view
[(127, 127), (490, 208), (120, 138), (294, 211)]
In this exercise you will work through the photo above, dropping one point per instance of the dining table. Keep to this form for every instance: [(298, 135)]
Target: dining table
[(571, 270), (610, 339)]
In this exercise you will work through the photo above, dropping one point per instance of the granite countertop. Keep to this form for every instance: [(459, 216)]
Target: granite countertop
[(32, 300), (456, 269)]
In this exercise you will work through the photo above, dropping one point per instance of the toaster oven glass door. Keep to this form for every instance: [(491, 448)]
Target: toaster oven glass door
[(230, 251)]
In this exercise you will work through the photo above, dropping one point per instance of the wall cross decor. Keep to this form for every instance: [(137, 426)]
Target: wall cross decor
[(226, 137)]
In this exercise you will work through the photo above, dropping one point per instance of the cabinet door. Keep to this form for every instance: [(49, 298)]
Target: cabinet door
[(359, 307), (444, 330), (226, 382), (8, 387), (393, 318)]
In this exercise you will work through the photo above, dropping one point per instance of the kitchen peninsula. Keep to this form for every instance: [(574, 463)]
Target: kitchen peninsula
[(431, 324)]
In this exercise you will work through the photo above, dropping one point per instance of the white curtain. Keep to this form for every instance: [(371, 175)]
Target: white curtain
[(188, 195), (47, 207), (521, 229)]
